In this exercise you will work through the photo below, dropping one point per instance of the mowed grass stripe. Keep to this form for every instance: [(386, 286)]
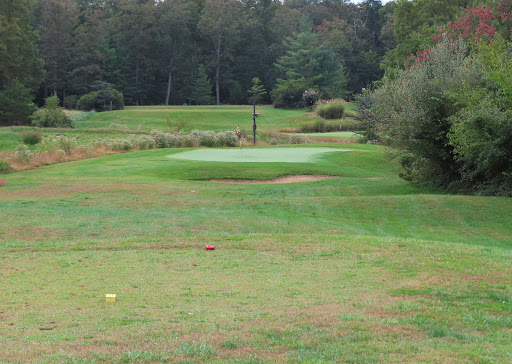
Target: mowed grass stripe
[(270, 297)]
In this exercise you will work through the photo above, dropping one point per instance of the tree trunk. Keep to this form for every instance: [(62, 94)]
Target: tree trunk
[(9, 11), (137, 83), (217, 73), (169, 81), (217, 69)]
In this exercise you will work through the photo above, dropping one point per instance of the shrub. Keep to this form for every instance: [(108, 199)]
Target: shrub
[(51, 115), (86, 102), (118, 127), (4, 167), (177, 123), (188, 141), (227, 138), (325, 126), (66, 143), (298, 139), (23, 153), (413, 111), (332, 109), (309, 97), (160, 138), (102, 100), (121, 144), (143, 142), (273, 141), (31, 137), (288, 96), (173, 141), (208, 138), (70, 102)]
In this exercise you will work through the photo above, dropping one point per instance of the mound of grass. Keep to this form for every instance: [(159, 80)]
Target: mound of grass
[(257, 155), (4, 167), (326, 126), (331, 109), (31, 137)]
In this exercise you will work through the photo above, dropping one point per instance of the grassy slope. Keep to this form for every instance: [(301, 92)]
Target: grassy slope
[(216, 118), (361, 268), (144, 119)]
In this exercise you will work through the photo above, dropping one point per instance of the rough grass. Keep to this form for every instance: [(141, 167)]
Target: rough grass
[(364, 267), (284, 298)]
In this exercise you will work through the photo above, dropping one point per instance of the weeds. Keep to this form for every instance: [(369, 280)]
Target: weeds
[(196, 349), (31, 137)]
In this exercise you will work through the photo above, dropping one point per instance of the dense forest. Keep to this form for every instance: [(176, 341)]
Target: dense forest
[(169, 52)]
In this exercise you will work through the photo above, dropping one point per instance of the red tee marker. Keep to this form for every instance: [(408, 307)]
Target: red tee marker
[(210, 247)]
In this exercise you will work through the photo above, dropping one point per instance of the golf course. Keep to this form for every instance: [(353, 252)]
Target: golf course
[(349, 263)]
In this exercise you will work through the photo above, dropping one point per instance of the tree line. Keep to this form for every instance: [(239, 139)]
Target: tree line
[(191, 51)]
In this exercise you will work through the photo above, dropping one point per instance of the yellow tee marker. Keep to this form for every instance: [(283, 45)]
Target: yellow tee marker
[(111, 298)]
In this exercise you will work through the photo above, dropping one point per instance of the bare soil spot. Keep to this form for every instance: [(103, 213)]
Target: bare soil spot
[(282, 179)]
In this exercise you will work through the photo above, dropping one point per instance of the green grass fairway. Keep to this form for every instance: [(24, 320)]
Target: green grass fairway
[(257, 155), (216, 118), (363, 268)]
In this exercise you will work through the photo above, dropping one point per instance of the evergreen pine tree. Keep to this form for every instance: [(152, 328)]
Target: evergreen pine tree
[(16, 104), (306, 66), (201, 93)]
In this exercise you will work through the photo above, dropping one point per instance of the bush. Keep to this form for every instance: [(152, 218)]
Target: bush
[(227, 138), (118, 127), (86, 102), (298, 139), (31, 137), (4, 167), (66, 143), (273, 141), (143, 142), (103, 100), (325, 126), (173, 141), (188, 141), (51, 115), (332, 109), (208, 138), (414, 111), (309, 98), (289, 96), (23, 153), (120, 144), (160, 138), (70, 102)]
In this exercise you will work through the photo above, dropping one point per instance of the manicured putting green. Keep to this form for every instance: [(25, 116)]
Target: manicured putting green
[(255, 155)]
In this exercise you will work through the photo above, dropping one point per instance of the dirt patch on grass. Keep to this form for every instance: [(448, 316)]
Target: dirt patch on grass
[(282, 179), (31, 234)]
